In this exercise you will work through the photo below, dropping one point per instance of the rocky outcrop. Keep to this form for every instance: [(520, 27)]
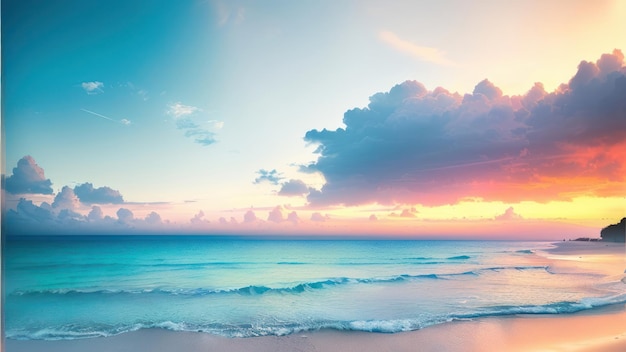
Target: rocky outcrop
[(615, 232)]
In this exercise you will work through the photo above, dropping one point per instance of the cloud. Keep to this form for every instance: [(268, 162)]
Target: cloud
[(249, 216), (198, 218), (69, 216), (412, 145), (185, 121), (94, 87), (423, 53), (27, 212), (65, 216), (373, 217), (95, 214), (406, 213), (27, 178), (179, 110), (318, 217), (293, 218), (124, 216), (509, 214), (153, 218), (66, 199), (101, 195), (202, 137), (215, 124), (273, 177), (293, 188), (222, 220), (276, 215)]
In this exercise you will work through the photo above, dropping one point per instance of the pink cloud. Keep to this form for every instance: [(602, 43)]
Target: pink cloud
[(509, 214), (415, 146), (249, 216), (276, 215)]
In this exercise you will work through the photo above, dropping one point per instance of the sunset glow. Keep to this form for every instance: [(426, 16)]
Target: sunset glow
[(350, 118)]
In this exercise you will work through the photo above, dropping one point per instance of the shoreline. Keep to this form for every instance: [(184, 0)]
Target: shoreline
[(595, 329)]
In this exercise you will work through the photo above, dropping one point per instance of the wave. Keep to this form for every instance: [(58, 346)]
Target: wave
[(296, 288), (161, 265), (459, 257), (247, 290), (73, 331)]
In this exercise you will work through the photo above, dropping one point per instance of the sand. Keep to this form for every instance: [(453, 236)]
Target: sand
[(602, 329)]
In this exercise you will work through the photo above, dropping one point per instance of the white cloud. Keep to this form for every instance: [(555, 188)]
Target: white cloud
[(423, 53), (94, 87), (179, 110), (216, 125)]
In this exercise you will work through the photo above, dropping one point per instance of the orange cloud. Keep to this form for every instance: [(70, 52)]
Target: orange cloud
[(415, 146)]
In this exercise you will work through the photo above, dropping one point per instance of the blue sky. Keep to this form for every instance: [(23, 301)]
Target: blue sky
[(179, 105)]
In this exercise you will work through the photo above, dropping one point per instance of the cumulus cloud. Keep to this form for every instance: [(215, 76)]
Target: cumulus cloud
[(101, 195), (272, 177), (318, 217), (124, 216), (373, 217), (293, 218), (412, 145), (27, 177), (94, 87), (66, 199), (153, 218), (65, 216), (249, 216), (276, 215), (406, 213), (198, 218), (26, 212), (293, 188), (222, 220), (509, 214), (95, 214)]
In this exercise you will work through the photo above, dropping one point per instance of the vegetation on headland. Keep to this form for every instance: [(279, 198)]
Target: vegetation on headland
[(614, 232)]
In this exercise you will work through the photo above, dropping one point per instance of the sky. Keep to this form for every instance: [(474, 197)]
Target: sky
[(441, 119)]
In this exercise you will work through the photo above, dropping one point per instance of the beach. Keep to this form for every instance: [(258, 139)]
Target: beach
[(597, 329), (604, 330)]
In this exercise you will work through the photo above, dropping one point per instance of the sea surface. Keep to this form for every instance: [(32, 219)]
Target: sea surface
[(79, 287)]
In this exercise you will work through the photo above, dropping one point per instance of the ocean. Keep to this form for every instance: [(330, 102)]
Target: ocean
[(70, 287)]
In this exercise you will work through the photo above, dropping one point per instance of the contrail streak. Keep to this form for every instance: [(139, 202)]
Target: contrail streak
[(104, 117)]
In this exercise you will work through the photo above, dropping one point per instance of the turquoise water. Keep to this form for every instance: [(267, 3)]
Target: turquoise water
[(77, 287)]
